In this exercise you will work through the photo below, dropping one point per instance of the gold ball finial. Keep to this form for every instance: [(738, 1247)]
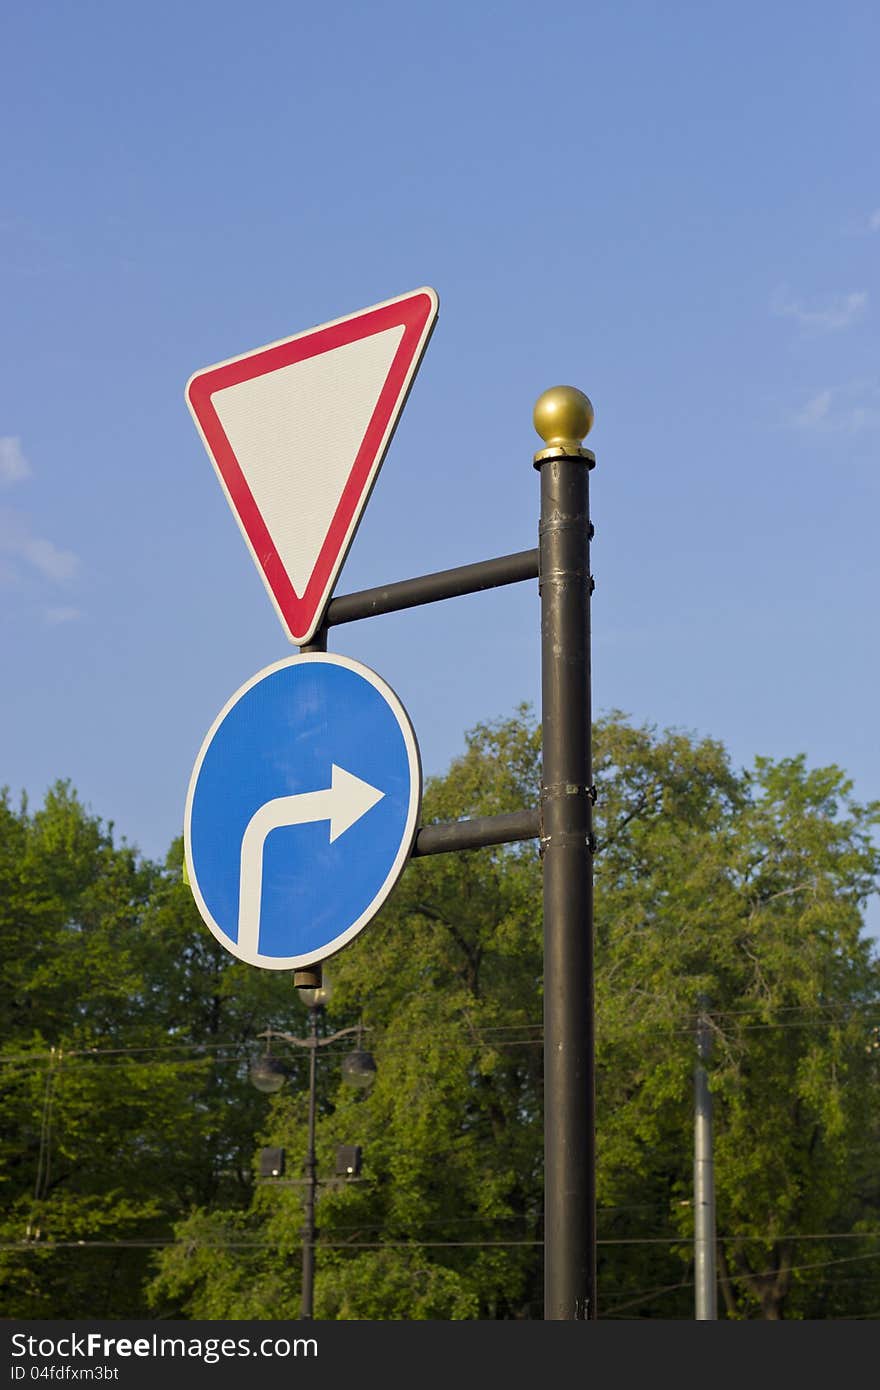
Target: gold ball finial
[(563, 418)]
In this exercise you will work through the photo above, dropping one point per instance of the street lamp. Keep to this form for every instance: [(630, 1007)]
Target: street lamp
[(269, 1074), (315, 996), (359, 1069)]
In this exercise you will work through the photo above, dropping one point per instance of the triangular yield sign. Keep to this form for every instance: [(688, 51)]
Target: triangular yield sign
[(297, 431)]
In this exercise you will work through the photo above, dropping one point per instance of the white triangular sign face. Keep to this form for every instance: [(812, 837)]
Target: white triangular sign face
[(297, 432)]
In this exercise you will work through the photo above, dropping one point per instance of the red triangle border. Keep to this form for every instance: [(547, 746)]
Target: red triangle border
[(416, 312)]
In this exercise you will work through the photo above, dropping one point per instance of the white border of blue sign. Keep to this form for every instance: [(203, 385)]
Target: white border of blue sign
[(406, 844)]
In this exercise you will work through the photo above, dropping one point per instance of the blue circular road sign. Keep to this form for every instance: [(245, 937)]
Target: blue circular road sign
[(302, 810)]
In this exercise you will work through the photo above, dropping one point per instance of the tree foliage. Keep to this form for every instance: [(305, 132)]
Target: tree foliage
[(119, 1108), (128, 1116)]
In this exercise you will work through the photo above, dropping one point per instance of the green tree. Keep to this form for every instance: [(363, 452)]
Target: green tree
[(747, 892), (130, 1131), (123, 1092), (700, 891), (796, 1039)]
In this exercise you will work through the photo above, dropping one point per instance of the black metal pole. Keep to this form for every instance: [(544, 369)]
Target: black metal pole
[(318, 642), (308, 1259), (563, 417)]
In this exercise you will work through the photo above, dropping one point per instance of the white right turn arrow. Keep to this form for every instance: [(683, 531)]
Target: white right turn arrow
[(342, 803)]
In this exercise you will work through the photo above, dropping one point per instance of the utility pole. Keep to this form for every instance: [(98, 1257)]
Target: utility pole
[(308, 1259), (705, 1281)]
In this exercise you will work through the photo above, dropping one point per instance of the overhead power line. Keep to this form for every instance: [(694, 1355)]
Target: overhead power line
[(534, 1038), (158, 1242)]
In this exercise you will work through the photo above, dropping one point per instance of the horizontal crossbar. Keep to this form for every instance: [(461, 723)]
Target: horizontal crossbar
[(477, 833), (430, 588)]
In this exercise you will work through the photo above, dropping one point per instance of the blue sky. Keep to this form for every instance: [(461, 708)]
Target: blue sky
[(675, 207)]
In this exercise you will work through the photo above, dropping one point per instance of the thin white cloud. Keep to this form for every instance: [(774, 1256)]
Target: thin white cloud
[(56, 616), (13, 464), (35, 552), (815, 410), (48, 560), (850, 409), (24, 555), (841, 311), (874, 220)]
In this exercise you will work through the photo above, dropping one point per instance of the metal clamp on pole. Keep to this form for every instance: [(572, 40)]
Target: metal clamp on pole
[(563, 417)]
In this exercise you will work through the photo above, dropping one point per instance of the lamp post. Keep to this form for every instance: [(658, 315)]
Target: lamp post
[(269, 1074)]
